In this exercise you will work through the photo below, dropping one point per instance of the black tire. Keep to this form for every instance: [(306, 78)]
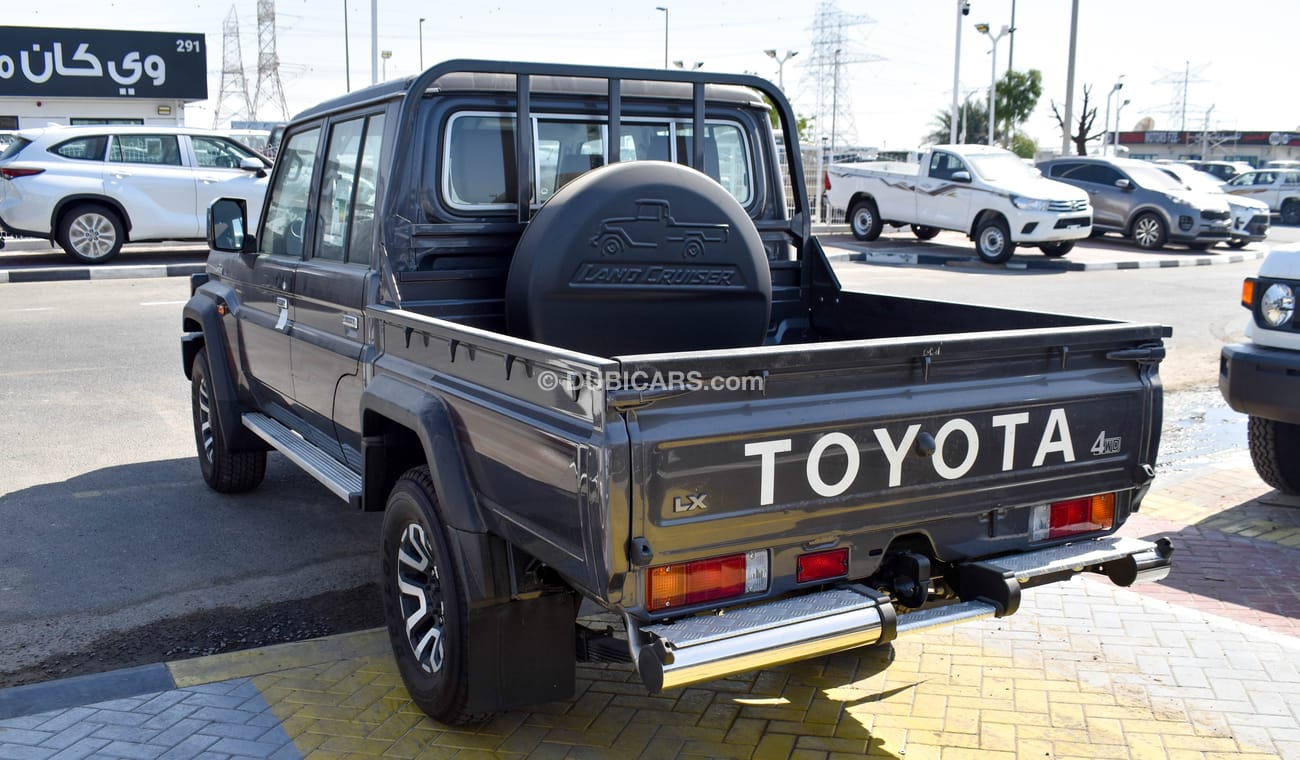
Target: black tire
[(424, 604), (91, 233), (1057, 249), (1149, 231), (1237, 243), (924, 233), (224, 471), (1275, 452), (993, 241), (864, 220), (1291, 212)]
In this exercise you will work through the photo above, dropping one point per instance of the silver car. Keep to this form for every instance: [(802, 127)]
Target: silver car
[(1137, 200)]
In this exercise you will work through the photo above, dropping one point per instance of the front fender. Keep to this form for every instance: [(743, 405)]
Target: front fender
[(201, 322)]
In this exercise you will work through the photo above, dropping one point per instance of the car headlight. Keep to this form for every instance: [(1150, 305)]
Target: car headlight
[(1277, 304), (1030, 204)]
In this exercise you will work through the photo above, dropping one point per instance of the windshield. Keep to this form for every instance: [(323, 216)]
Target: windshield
[(1199, 181), (1152, 178), (1000, 167)]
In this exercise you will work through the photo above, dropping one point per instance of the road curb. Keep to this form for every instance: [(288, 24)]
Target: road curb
[(129, 272), (910, 258), (76, 691)]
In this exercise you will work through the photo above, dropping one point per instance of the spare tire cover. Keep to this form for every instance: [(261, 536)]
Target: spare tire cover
[(640, 257)]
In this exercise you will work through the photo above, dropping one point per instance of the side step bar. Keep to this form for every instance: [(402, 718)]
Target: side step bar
[(705, 647), (333, 474)]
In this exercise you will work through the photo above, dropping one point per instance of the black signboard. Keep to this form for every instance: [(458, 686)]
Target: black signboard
[(102, 63)]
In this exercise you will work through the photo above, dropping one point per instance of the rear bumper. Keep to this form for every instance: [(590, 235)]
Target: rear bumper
[(703, 648), (1262, 382)]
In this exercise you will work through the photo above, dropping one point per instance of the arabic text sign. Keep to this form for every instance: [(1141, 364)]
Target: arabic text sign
[(102, 63)]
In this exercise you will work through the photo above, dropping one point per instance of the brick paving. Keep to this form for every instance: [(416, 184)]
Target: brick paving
[(1205, 664)]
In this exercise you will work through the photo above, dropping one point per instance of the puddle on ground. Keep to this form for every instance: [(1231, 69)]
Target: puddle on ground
[(1198, 426)]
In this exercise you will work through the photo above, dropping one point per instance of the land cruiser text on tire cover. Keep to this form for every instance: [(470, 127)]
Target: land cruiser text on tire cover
[(558, 323)]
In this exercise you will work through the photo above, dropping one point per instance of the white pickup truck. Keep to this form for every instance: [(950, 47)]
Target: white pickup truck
[(986, 192)]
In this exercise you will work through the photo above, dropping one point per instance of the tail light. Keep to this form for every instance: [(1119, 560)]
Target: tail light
[(706, 580), (1248, 292), (13, 172), (1073, 517), (826, 180)]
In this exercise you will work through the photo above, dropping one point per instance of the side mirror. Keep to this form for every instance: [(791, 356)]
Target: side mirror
[(1123, 184), (228, 225), (254, 165), (961, 175)]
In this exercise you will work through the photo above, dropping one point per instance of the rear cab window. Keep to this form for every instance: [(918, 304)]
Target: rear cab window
[(479, 173)]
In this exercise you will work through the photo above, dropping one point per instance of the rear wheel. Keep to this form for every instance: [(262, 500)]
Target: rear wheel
[(864, 220), (1057, 249), (91, 233), (993, 241), (423, 603), (1275, 452), (224, 471), (1291, 211), (1149, 232), (924, 233)]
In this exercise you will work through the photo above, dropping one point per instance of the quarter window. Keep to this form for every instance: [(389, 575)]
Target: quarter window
[(83, 148)]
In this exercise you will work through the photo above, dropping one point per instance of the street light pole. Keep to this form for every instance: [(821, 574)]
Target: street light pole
[(993, 83), (963, 8), (835, 96), (421, 44), (1105, 137), (347, 58), (374, 41), (665, 10), (780, 65), (1118, 109), (385, 54)]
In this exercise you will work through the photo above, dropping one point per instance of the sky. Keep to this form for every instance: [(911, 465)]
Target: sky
[(896, 56)]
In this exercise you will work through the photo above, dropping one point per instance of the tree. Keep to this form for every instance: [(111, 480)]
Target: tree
[(1017, 96), (1086, 118), (1023, 145)]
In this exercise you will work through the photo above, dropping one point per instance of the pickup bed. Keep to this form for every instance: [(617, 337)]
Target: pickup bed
[(693, 428), (986, 192)]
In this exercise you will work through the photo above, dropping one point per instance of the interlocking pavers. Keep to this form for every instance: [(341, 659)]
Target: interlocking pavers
[(1205, 664)]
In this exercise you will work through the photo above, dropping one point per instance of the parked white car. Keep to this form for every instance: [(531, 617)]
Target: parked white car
[(1279, 188), (986, 192), (91, 189), (1250, 217)]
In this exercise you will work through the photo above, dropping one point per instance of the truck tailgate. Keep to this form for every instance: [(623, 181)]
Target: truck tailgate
[(883, 436)]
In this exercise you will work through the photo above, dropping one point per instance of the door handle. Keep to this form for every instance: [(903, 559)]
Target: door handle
[(282, 302), (121, 175), (350, 321)]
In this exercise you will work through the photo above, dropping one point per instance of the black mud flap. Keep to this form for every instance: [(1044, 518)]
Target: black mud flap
[(521, 653)]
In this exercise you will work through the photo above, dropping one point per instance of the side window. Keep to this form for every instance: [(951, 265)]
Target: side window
[(338, 182), (481, 162), (83, 148), (160, 150), (1265, 178), (1093, 173), (1291, 178), (1241, 180), (363, 207), (213, 152), (286, 206)]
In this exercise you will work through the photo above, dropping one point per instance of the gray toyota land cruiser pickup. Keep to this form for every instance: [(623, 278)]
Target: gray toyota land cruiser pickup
[(559, 324)]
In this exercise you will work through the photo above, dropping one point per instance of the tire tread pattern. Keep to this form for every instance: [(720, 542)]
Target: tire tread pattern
[(1275, 452)]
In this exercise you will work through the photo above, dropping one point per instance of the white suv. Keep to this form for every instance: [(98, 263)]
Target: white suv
[(91, 189)]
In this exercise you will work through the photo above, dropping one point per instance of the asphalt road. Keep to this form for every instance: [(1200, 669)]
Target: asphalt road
[(108, 527), (107, 524)]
